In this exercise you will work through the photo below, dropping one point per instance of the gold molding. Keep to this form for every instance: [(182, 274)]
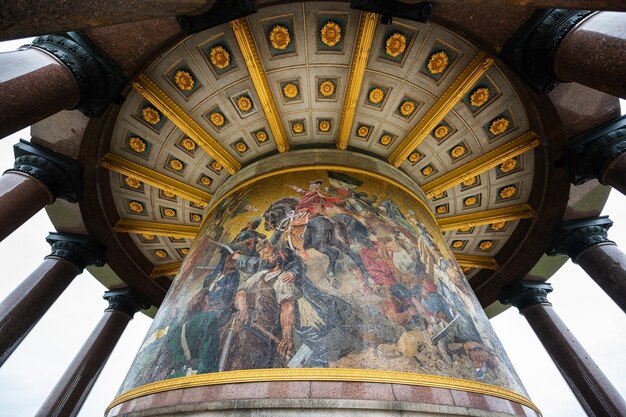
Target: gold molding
[(248, 48), (177, 231), (504, 214), (362, 48), (323, 374), (165, 269), (162, 101), (156, 179), (483, 163), (453, 94), (473, 261)]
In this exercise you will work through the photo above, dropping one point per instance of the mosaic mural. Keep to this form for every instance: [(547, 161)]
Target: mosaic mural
[(321, 269)]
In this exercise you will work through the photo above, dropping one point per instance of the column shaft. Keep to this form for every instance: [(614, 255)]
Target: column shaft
[(72, 390), (594, 54), (21, 196), (615, 174), (23, 308), (33, 85), (606, 265), (590, 386)]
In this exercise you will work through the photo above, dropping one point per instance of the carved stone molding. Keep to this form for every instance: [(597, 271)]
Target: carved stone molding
[(532, 49), (62, 175), (589, 154), (80, 250), (523, 294), (98, 78), (124, 301), (572, 237)]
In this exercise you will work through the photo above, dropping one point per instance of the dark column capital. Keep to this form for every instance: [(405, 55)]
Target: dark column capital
[(531, 51), (99, 79), (62, 176), (80, 250), (589, 154), (125, 301), (523, 294), (574, 236)]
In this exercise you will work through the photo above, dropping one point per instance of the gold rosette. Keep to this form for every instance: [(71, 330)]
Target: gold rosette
[(279, 37), (184, 80), (220, 58), (438, 62), (151, 115), (395, 44), (331, 34)]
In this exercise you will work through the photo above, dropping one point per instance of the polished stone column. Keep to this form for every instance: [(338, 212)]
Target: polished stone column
[(69, 394), (23, 308), (38, 177), (591, 387), (585, 242), (563, 45), (600, 154), (593, 53), (34, 85), (54, 73)]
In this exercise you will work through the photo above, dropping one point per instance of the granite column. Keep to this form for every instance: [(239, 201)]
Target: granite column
[(69, 394), (25, 306), (585, 241), (38, 177), (591, 387)]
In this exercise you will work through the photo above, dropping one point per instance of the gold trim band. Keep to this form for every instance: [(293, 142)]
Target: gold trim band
[(248, 48), (453, 94), (505, 214), (162, 101), (483, 163), (323, 374), (364, 39), (156, 179), (473, 261), (177, 231)]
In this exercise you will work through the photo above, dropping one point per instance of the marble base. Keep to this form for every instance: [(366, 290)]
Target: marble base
[(318, 398)]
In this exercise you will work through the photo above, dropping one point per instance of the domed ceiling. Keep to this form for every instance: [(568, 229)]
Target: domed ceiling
[(320, 75)]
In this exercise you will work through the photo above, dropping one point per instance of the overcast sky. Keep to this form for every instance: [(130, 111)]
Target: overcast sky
[(33, 369)]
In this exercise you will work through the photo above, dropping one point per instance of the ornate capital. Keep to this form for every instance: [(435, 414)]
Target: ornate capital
[(80, 250), (589, 154), (99, 79), (62, 175), (523, 294), (531, 51), (125, 301), (572, 237)]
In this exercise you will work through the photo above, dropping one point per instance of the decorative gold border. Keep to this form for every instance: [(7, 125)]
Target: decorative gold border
[(362, 48), (504, 214), (260, 177), (156, 179), (165, 269), (177, 231), (473, 261), (162, 101), (483, 163), (248, 48), (453, 94), (323, 374)]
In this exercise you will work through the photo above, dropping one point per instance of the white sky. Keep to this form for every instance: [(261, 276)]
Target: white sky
[(34, 368)]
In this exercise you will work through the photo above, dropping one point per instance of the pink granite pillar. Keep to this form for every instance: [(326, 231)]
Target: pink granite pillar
[(594, 54), (34, 85), (26, 305)]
